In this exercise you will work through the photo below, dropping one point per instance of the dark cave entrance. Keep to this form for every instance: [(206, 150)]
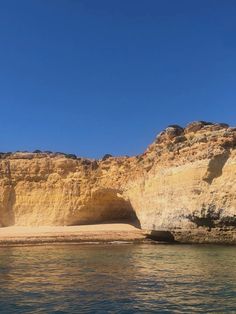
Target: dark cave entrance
[(107, 206)]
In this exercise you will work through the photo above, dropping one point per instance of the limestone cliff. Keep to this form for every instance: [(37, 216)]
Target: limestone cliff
[(184, 182)]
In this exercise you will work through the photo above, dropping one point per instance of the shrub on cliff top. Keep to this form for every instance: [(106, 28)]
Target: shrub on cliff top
[(106, 156), (72, 156)]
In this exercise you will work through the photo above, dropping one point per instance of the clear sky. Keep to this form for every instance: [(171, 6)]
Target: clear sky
[(105, 76)]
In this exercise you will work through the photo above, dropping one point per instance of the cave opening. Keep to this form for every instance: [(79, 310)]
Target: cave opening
[(106, 206)]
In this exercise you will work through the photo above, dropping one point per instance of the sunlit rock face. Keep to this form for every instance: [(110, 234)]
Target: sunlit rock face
[(185, 180)]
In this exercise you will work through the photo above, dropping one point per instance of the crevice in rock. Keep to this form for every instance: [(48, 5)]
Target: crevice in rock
[(161, 236)]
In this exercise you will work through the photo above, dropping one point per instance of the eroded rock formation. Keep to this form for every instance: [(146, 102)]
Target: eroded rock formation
[(185, 182)]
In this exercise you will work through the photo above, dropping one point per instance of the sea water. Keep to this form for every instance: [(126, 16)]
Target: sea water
[(118, 278)]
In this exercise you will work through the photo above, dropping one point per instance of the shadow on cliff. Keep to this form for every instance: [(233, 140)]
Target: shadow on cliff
[(215, 167), (106, 206), (7, 210)]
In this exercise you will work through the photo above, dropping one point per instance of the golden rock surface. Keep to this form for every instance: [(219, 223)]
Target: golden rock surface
[(185, 180)]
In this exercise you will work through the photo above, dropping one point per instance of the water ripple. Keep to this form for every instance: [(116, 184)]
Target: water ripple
[(118, 279)]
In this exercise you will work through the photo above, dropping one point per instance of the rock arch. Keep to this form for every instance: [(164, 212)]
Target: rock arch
[(104, 206)]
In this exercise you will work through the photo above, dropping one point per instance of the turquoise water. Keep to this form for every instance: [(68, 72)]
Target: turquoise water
[(118, 279)]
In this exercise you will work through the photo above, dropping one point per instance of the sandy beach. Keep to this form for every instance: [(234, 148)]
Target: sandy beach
[(64, 234)]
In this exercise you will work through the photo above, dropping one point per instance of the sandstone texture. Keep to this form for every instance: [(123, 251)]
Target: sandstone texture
[(185, 183)]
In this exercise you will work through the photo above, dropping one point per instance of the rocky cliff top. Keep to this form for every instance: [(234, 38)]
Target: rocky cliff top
[(184, 179), (198, 140), (173, 138)]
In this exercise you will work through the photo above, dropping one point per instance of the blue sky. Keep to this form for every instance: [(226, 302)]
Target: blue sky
[(92, 77)]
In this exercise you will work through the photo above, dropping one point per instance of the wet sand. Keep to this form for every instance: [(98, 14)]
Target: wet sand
[(101, 233)]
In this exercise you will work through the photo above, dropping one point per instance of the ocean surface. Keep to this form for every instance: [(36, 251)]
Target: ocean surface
[(118, 278)]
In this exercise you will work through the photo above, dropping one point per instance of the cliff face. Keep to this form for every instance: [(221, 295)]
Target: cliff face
[(186, 180)]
